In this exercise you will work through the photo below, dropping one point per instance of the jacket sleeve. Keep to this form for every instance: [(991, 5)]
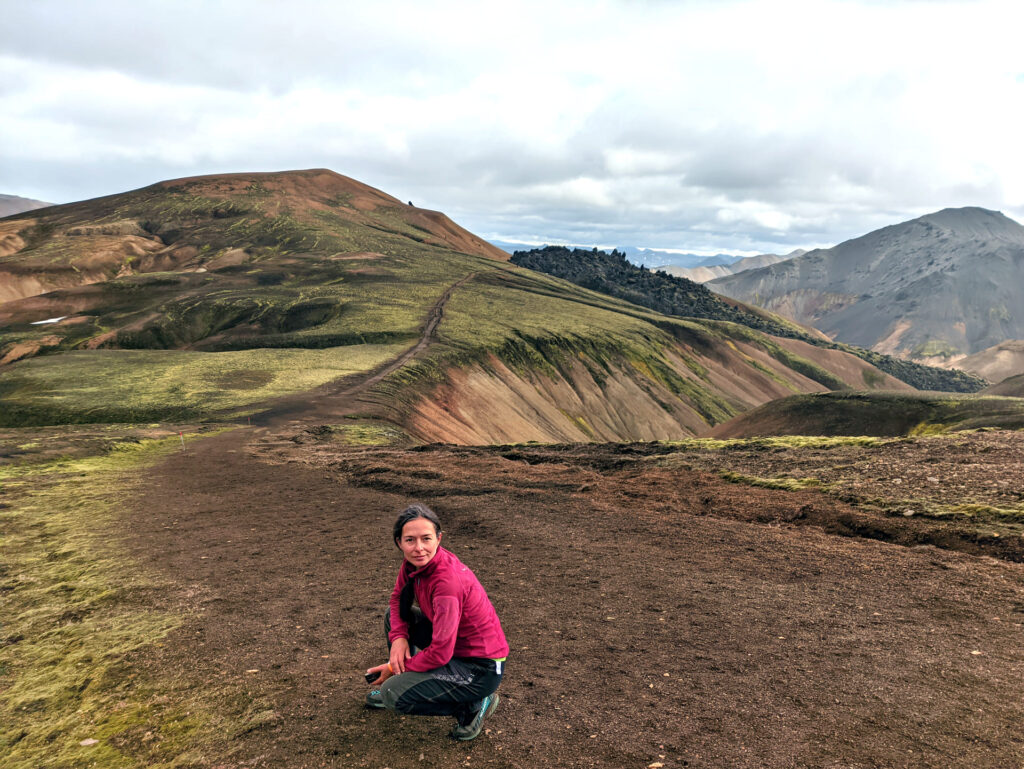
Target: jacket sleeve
[(447, 606), (398, 627)]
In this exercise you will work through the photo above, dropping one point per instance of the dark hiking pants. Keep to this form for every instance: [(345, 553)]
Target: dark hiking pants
[(455, 689)]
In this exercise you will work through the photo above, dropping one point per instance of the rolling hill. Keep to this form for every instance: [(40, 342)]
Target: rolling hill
[(214, 297), (878, 414), (994, 363), (947, 284), (1012, 387)]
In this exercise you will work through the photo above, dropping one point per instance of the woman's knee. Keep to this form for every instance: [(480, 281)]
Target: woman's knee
[(395, 692), (389, 693)]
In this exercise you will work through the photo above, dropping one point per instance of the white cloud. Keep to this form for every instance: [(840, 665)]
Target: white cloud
[(725, 125)]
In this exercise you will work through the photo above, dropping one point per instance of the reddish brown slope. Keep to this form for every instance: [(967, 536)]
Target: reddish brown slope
[(492, 403), (856, 372)]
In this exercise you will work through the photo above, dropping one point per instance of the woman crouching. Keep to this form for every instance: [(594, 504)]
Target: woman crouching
[(447, 647)]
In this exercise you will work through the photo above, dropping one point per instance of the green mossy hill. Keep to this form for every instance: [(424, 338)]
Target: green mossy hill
[(119, 386), (612, 274), (196, 345), (875, 413), (264, 214)]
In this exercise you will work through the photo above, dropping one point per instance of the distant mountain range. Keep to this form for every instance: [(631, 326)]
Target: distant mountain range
[(944, 285), (12, 204), (652, 258), (703, 274)]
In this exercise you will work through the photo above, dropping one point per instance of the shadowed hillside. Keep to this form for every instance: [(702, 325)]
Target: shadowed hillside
[(1012, 387)]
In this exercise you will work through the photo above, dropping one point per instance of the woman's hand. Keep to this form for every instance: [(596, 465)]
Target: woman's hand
[(384, 672), (399, 654)]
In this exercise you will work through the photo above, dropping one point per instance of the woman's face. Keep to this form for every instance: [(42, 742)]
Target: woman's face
[(419, 542)]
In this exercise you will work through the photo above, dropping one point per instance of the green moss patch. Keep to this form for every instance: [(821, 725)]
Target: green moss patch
[(934, 348), (778, 441), (169, 385), (983, 513), (368, 434), (786, 484), (76, 612), (973, 512)]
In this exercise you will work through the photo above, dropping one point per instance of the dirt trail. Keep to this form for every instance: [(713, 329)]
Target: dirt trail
[(335, 399), (641, 625), (651, 620)]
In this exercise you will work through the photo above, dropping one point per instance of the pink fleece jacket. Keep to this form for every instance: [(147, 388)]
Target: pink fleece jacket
[(452, 598)]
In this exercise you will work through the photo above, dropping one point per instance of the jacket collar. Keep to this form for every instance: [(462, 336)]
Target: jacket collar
[(412, 572)]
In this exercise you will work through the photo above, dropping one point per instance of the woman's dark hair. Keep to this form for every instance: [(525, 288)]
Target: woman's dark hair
[(411, 513)]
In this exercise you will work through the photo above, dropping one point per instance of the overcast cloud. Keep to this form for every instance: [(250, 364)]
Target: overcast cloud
[(725, 126)]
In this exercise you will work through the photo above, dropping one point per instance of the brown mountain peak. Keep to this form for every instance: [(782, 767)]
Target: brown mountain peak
[(311, 186)]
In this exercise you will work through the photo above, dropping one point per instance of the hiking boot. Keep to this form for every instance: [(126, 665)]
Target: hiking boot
[(472, 730), (374, 700)]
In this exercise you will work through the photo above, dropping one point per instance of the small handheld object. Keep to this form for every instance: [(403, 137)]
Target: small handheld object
[(374, 674)]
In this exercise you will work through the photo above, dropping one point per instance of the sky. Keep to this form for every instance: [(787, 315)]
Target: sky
[(709, 127)]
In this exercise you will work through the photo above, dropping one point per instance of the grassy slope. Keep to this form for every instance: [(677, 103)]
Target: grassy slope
[(536, 323), (338, 316), (878, 414), (76, 608), (176, 385)]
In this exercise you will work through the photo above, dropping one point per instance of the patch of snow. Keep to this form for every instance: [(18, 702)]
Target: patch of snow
[(48, 320)]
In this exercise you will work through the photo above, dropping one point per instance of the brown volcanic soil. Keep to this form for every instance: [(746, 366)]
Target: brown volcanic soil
[(657, 614)]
